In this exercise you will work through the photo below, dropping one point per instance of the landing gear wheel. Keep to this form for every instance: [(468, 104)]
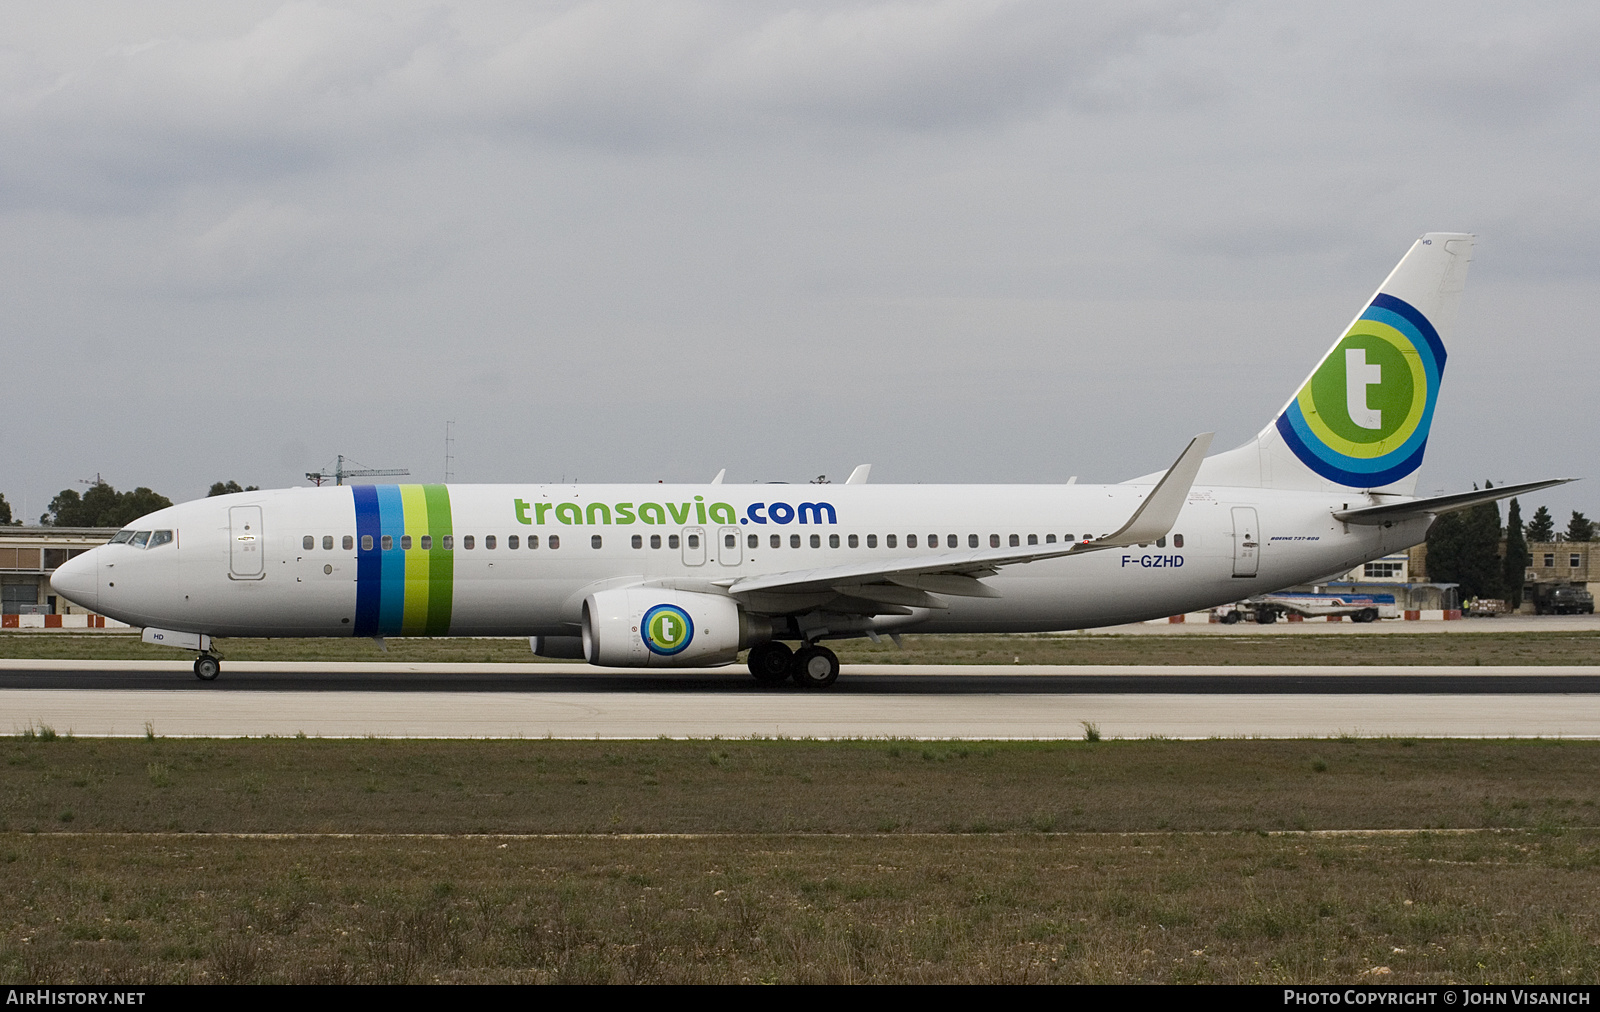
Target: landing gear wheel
[(770, 662), (814, 667), (207, 668)]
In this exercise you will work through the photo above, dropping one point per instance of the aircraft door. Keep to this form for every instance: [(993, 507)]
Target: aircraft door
[(1246, 541), (247, 551), (728, 551), (694, 546)]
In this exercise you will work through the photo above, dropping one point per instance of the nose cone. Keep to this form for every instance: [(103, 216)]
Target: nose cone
[(79, 580)]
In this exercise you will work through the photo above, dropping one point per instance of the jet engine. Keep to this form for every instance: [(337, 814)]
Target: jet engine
[(638, 627)]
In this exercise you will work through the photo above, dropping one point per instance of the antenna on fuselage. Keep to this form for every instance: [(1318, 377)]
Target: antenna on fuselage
[(340, 472)]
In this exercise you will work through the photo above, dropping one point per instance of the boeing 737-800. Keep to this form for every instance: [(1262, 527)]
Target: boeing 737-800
[(690, 575)]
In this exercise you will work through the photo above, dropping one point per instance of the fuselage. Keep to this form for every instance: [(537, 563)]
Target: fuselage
[(519, 560)]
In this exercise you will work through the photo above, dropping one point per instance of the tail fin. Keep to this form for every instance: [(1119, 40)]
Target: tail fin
[(1361, 419)]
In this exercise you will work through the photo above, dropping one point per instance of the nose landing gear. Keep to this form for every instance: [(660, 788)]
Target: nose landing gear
[(207, 668)]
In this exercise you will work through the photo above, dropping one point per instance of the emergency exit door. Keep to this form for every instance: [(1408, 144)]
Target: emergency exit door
[(1246, 541)]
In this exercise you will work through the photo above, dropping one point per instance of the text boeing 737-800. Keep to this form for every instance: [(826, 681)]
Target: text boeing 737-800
[(669, 576)]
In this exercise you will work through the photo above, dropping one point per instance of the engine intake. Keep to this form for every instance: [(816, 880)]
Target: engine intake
[(641, 627)]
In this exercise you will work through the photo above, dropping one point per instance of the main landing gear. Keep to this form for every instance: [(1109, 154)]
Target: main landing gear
[(207, 668), (811, 667)]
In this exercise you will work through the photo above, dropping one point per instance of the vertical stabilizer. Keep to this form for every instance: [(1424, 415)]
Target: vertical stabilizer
[(1361, 419)]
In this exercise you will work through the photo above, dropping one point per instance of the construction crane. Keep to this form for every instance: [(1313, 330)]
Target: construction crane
[(340, 472)]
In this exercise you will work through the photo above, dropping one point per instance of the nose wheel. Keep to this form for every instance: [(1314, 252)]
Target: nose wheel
[(207, 668)]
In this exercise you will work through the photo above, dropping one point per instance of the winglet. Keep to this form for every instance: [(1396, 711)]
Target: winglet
[(1159, 511), (718, 479), (859, 475)]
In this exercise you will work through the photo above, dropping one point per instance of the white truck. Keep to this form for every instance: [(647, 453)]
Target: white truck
[(1265, 608)]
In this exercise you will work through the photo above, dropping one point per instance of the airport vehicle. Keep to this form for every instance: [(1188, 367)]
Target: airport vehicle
[(1265, 608), (691, 575), (1562, 599)]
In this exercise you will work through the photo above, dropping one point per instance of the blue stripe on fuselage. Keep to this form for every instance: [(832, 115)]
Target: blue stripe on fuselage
[(369, 561)]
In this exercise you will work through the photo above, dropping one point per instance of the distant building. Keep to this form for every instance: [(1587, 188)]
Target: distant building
[(28, 555)]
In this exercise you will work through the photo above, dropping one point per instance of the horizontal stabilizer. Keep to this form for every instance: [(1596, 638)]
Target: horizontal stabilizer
[(1389, 513)]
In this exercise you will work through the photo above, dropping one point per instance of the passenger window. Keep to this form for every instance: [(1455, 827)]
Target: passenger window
[(890, 541), (972, 541), (730, 541), (366, 543), (994, 541), (777, 541), (655, 541), (1033, 539), (833, 541), (388, 542), (638, 540), (911, 541), (872, 541), (327, 542), (1161, 542), (594, 541), (953, 541), (816, 541), (533, 541), (405, 542), (513, 542), (1049, 539), (794, 541), (694, 541), (308, 542), (755, 541), (350, 542), (488, 542), (1177, 541), (165, 538), (427, 542), (466, 542), (448, 542), (1068, 538), (855, 541), (555, 540), (672, 541)]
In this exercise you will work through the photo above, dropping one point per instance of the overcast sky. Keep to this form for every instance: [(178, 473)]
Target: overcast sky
[(963, 241)]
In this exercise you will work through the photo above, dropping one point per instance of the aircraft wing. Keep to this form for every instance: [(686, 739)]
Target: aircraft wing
[(908, 582), (1389, 513)]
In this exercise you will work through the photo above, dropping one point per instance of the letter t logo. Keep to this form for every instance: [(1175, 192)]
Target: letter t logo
[(1358, 375)]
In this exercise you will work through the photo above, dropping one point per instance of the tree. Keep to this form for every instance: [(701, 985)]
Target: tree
[(1580, 528), (102, 506), (1517, 559), (5, 512), (1464, 549), (225, 487), (1541, 527)]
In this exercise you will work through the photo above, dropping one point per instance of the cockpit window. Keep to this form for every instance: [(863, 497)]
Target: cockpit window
[(122, 537), (160, 538), (140, 539)]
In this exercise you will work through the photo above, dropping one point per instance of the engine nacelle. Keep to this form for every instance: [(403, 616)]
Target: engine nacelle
[(638, 627)]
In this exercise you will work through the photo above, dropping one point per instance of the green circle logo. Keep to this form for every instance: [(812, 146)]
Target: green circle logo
[(666, 629)]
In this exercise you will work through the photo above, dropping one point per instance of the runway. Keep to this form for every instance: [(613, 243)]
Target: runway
[(869, 701)]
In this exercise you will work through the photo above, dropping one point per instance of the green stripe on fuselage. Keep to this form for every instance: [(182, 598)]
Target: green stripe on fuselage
[(441, 563)]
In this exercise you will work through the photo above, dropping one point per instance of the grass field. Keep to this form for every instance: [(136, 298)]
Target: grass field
[(799, 861), (1099, 648)]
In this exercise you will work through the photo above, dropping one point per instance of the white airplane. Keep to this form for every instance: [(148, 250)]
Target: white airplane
[(690, 575)]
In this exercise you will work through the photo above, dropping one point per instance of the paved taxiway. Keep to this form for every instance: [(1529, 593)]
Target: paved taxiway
[(999, 701)]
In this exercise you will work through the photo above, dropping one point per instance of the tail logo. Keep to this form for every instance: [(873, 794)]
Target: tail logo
[(666, 629), (1362, 418)]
